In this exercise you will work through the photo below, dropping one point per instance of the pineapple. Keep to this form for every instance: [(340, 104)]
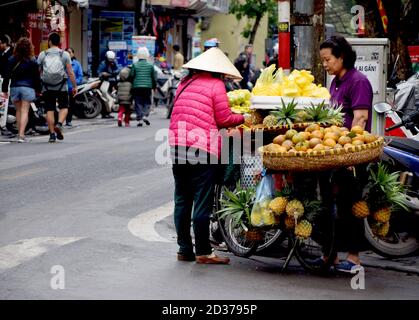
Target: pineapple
[(380, 229), (324, 115), (360, 209), (385, 193), (382, 215), (254, 119), (303, 229), (268, 217), (270, 121), (295, 209), (278, 205), (289, 222), (301, 116), (318, 114), (287, 114)]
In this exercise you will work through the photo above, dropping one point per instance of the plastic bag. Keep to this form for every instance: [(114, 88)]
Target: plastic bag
[(261, 214)]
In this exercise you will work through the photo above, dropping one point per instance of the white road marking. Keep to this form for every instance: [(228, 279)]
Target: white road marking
[(22, 251), (142, 226)]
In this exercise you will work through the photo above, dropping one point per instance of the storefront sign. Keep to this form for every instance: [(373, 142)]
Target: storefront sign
[(116, 26), (144, 41), (372, 70)]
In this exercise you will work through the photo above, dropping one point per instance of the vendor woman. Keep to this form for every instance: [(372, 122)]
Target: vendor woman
[(351, 89)]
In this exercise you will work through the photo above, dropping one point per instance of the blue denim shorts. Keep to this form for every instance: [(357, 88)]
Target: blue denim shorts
[(22, 93)]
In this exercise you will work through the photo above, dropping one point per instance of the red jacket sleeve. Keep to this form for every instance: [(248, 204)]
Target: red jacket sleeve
[(224, 117)]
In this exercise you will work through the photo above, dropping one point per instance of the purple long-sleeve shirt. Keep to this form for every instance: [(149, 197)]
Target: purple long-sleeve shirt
[(354, 92)]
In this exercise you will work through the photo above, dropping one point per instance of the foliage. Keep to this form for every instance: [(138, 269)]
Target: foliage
[(252, 9)]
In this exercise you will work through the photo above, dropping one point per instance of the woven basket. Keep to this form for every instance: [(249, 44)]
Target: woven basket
[(254, 235), (283, 128), (323, 160)]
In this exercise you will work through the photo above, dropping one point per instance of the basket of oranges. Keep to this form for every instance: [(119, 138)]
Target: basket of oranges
[(319, 149)]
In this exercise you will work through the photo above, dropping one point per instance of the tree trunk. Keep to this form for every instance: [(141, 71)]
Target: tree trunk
[(318, 25), (255, 29)]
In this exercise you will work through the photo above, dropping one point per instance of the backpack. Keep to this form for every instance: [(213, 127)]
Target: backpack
[(53, 70)]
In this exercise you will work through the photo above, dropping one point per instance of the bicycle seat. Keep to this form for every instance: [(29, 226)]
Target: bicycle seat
[(405, 144)]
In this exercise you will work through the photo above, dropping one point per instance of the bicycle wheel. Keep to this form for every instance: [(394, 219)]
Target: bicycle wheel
[(234, 236), (320, 243)]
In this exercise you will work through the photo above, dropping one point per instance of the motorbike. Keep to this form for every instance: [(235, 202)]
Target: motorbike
[(87, 102), (401, 154), (178, 75), (107, 94), (37, 121)]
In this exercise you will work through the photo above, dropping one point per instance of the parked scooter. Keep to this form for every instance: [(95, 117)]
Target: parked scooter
[(401, 155), (87, 102), (37, 121), (107, 93)]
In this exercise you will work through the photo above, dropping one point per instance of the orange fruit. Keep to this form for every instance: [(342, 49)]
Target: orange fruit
[(358, 137), (344, 140), (317, 134), (331, 135), (357, 129), (279, 139), (312, 127), (306, 135), (370, 138), (357, 142), (302, 146), (329, 142), (290, 133), (296, 138), (319, 147), (287, 144), (314, 142)]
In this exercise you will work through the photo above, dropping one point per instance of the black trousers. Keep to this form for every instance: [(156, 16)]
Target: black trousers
[(194, 200)]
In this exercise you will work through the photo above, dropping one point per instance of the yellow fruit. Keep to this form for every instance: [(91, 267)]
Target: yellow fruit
[(370, 138), (268, 217), (314, 142), (317, 134), (279, 139), (303, 229), (287, 144), (278, 205), (306, 135), (256, 219), (382, 215), (359, 137), (312, 127), (348, 145), (337, 146), (357, 130), (296, 138), (290, 133), (360, 209), (289, 222), (344, 140), (357, 142), (302, 146), (329, 142), (380, 229), (331, 135), (270, 121), (295, 209), (319, 147)]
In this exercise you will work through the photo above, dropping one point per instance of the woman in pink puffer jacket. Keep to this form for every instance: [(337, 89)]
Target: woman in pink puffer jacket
[(200, 110)]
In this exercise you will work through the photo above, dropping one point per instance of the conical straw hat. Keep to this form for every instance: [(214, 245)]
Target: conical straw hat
[(214, 60)]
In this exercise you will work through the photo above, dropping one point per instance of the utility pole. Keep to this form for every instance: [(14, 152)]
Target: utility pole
[(284, 35)]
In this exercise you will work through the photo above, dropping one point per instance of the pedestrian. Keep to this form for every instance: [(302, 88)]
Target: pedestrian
[(109, 69), (274, 58), (6, 52), (55, 66), (23, 75), (78, 73), (243, 64), (179, 60), (351, 89), (144, 78), (200, 110), (211, 43), (124, 96)]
